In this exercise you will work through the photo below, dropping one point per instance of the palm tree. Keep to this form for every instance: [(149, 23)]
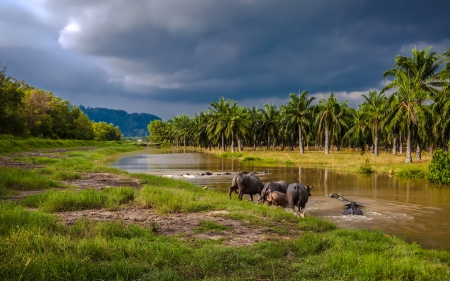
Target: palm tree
[(238, 123), (359, 132), (375, 108), (269, 121), (298, 111), (406, 105), (220, 118), (416, 79), (254, 115), (327, 116)]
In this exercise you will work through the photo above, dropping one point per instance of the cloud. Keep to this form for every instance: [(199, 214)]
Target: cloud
[(143, 53)]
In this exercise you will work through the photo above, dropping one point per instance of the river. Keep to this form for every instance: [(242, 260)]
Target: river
[(411, 208)]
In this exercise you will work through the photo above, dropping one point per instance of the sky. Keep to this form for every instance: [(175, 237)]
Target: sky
[(177, 56)]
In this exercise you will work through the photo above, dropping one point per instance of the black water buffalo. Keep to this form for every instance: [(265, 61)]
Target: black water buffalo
[(246, 184), (297, 195), (277, 198), (353, 209), (280, 186)]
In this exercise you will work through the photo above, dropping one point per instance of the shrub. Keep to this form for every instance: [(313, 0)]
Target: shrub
[(411, 174), (439, 168), (365, 168), (250, 159)]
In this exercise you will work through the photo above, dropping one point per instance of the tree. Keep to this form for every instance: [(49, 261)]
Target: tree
[(416, 79), (298, 111), (238, 123), (220, 118), (326, 118), (11, 95), (106, 132), (269, 121), (375, 109)]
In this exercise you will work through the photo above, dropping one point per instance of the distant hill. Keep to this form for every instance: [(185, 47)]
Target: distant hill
[(131, 125)]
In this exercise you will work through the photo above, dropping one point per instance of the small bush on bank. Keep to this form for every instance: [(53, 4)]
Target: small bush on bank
[(251, 159), (439, 167), (365, 168), (411, 174), (230, 154)]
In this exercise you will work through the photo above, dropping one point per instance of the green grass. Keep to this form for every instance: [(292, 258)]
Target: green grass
[(210, 226), (34, 245), (21, 179), (70, 200)]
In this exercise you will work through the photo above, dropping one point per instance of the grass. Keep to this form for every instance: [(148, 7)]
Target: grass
[(34, 245), (345, 160)]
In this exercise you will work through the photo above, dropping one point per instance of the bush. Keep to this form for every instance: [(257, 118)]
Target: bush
[(411, 174), (439, 168), (365, 168)]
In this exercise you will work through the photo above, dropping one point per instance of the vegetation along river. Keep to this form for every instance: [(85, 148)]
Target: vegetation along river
[(411, 208)]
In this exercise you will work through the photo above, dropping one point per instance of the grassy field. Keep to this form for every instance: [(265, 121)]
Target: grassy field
[(344, 160), (36, 245)]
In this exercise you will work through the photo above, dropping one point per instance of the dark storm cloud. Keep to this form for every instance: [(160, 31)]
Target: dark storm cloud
[(145, 53)]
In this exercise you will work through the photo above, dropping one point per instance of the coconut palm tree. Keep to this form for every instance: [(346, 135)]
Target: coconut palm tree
[(375, 109), (298, 111), (238, 123), (269, 121), (416, 79), (358, 133), (327, 116), (406, 104), (220, 118), (254, 115)]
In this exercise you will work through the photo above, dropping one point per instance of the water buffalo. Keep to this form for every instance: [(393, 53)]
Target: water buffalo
[(353, 209), (277, 198), (280, 186), (246, 184), (297, 195)]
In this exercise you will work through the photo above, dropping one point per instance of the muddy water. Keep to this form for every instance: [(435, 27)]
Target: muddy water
[(414, 209)]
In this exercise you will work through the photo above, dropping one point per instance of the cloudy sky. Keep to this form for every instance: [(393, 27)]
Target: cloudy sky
[(177, 56)]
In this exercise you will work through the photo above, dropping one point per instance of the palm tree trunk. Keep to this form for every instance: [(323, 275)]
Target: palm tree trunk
[(418, 152), (327, 140), (400, 143), (300, 139), (232, 141), (394, 146), (223, 142), (254, 141), (408, 148), (375, 152), (268, 140)]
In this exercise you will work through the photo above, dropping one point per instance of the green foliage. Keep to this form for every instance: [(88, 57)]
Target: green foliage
[(439, 167), (411, 174), (251, 159), (365, 168), (230, 154), (309, 223), (106, 132)]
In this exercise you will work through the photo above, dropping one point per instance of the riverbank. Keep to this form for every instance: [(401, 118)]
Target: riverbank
[(344, 160), (66, 216)]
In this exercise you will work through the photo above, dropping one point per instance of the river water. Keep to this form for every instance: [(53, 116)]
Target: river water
[(411, 208)]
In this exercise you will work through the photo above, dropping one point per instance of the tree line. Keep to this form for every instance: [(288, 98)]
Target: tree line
[(412, 109), (131, 125), (26, 111)]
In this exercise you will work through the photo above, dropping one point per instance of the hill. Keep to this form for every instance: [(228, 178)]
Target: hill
[(131, 125)]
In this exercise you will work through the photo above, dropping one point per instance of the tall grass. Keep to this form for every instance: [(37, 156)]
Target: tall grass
[(70, 200), (21, 179)]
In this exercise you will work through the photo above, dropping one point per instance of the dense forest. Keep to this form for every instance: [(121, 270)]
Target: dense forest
[(131, 125), (412, 110), (26, 111)]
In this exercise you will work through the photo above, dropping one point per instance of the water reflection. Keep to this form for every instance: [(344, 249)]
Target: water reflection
[(409, 208)]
